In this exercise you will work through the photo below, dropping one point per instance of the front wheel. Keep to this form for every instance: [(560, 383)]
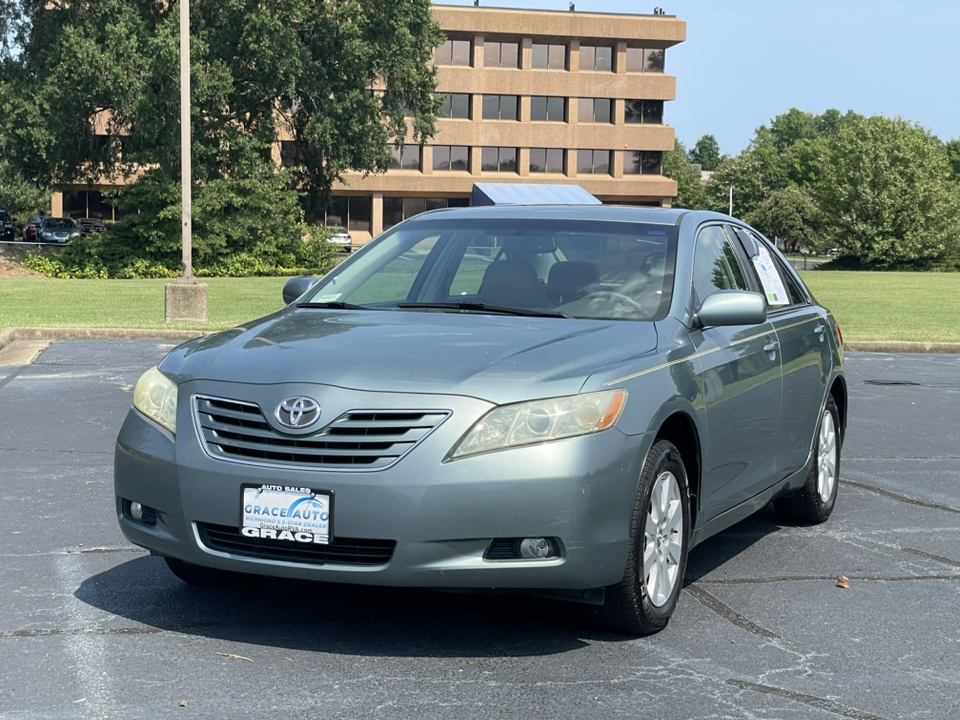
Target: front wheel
[(813, 503), (643, 601)]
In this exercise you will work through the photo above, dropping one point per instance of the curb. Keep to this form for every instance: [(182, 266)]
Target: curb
[(882, 346), (13, 334)]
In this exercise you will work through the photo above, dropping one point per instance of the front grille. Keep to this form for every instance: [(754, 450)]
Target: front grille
[(357, 440), (342, 551)]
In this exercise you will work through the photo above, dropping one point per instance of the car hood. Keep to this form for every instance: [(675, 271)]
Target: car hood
[(492, 357)]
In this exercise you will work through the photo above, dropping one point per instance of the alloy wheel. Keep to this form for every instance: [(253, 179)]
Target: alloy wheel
[(827, 457), (663, 539)]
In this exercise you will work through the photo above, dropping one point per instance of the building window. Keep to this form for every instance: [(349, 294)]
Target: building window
[(548, 109), (498, 159), (451, 158), (593, 162), (645, 60), (501, 54), (396, 209), (547, 160), (642, 162), (595, 110), (646, 112), (455, 106), (405, 158), (453, 52), (549, 57), (500, 107), (596, 58)]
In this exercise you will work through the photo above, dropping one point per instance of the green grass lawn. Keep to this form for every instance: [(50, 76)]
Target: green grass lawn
[(919, 307), (910, 307), (47, 303)]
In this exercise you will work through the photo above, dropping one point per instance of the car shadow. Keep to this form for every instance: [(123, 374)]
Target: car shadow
[(377, 621), (723, 547), (344, 619)]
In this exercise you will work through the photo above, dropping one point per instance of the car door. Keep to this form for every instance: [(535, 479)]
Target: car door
[(740, 379), (805, 351)]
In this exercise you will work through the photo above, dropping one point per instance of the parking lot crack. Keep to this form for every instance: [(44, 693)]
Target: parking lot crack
[(901, 498), (728, 613), (811, 700)]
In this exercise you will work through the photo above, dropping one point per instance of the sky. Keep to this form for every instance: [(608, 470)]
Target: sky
[(747, 61)]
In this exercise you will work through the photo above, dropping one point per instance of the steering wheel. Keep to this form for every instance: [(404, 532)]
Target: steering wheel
[(615, 298)]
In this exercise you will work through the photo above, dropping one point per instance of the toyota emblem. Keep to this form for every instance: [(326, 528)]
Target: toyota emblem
[(298, 412)]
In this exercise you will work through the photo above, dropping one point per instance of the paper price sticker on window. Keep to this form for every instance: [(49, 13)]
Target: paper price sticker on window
[(773, 288)]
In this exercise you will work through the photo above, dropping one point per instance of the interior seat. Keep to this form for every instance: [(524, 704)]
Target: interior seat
[(513, 283)]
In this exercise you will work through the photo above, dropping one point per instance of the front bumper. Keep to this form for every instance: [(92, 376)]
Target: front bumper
[(442, 516)]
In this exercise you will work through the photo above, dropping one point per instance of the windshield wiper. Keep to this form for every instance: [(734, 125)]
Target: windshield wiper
[(480, 307), (332, 306)]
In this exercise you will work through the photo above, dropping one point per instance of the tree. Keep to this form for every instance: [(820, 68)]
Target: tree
[(755, 174), (677, 166), (791, 127), (953, 157), (22, 199), (886, 193), (338, 78), (790, 215), (706, 153)]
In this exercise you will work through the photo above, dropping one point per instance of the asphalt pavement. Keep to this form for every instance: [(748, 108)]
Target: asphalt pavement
[(93, 627)]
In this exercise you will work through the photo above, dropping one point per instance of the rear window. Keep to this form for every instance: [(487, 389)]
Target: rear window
[(4, 216)]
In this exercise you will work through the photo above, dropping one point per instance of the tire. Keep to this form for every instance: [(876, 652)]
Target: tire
[(198, 575), (643, 601), (814, 502)]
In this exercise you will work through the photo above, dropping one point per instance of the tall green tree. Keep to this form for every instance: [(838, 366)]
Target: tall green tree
[(677, 166), (953, 157), (754, 175), (886, 193), (93, 90), (706, 153), (790, 215)]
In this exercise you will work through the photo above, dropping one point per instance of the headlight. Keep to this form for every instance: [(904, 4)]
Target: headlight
[(75, 234), (542, 420), (156, 397)]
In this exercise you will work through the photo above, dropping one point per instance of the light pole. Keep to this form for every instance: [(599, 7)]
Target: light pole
[(730, 208), (185, 300), (186, 168)]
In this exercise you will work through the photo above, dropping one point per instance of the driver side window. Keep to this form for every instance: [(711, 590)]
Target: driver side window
[(715, 264)]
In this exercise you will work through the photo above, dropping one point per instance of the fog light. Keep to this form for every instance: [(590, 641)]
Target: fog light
[(536, 548), (136, 511)]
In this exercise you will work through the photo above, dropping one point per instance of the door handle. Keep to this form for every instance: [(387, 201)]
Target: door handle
[(771, 347), (819, 330)]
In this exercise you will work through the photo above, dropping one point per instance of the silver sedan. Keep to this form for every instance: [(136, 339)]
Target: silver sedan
[(563, 400)]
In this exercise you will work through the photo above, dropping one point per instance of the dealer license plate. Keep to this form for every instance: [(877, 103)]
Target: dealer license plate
[(292, 514)]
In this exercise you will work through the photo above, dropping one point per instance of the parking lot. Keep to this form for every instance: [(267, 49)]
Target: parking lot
[(94, 627)]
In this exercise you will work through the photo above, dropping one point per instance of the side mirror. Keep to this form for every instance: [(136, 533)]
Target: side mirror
[(296, 287), (732, 307)]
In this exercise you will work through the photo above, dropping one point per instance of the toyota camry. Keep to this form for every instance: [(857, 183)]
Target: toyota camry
[(560, 400)]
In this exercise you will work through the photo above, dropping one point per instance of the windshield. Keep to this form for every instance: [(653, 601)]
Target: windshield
[(58, 223), (567, 268)]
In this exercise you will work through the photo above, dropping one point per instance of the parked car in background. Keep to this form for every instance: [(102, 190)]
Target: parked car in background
[(339, 236), (91, 225), (30, 229), (6, 226), (57, 230), (562, 399)]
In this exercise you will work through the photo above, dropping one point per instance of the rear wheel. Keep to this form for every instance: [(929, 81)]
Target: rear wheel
[(814, 502), (198, 575), (643, 601)]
